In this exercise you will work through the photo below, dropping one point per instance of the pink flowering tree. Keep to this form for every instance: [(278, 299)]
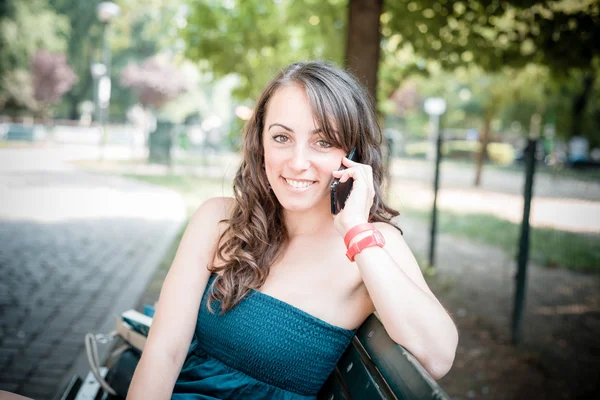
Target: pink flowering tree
[(52, 77), (157, 81)]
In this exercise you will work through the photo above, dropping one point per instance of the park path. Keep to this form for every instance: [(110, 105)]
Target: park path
[(558, 203), (565, 214), (76, 249)]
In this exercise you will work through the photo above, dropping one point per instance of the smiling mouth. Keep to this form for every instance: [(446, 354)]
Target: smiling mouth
[(299, 184)]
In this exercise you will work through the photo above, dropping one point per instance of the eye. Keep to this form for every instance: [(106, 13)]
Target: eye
[(280, 138), (324, 144)]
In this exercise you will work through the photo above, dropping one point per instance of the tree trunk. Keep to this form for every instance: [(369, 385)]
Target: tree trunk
[(580, 103), (482, 153), (363, 42)]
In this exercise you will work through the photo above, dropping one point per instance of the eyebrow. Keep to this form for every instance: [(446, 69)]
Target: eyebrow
[(313, 132)]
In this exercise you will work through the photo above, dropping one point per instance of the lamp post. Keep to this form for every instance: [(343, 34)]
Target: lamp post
[(435, 107), (106, 11), (98, 70)]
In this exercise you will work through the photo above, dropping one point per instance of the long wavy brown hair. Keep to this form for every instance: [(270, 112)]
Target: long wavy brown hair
[(256, 234)]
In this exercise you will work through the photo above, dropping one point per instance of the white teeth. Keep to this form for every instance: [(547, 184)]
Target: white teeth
[(299, 184)]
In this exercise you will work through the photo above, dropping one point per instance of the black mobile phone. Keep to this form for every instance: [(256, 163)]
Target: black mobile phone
[(340, 191)]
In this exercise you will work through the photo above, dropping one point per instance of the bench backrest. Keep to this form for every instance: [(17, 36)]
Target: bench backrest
[(375, 367)]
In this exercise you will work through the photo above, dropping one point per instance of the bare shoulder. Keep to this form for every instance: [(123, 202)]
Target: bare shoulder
[(199, 242), (217, 208), (212, 212)]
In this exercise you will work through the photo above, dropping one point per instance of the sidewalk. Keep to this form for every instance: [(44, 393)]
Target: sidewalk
[(77, 249)]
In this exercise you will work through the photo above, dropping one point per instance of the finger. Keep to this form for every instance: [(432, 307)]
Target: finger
[(355, 173), (349, 163), (363, 181), (345, 176), (342, 175)]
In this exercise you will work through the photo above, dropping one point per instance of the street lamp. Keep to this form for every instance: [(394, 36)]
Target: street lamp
[(435, 107), (98, 70), (106, 12)]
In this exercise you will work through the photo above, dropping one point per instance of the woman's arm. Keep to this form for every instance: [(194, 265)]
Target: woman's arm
[(177, 310), (410, 313), (407, 308)]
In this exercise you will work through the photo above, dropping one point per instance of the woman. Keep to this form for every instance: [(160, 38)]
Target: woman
[(262, 285)]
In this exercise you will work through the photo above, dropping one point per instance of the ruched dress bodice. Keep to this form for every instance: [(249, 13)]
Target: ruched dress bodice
[(263, 348)]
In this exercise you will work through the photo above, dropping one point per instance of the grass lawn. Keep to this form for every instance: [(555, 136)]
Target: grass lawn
[(548, 247)]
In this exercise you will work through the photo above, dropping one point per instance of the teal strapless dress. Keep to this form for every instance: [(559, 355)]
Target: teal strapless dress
[(263, 348)]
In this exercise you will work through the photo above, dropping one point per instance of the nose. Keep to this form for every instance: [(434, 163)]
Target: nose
[(300, 158)]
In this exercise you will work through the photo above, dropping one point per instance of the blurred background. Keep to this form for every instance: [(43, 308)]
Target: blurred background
[(118, 119)]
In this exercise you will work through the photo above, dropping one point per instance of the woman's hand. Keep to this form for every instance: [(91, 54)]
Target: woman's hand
[(359, 202)]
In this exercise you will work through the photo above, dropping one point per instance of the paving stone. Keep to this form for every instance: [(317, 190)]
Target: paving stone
[(60, 279)]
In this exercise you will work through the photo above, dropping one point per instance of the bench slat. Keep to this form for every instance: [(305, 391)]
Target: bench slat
[(362, 381), (334, 388), (72, 389), (402, 372)]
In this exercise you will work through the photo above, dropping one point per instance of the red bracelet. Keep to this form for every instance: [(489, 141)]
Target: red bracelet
[(360, 228)]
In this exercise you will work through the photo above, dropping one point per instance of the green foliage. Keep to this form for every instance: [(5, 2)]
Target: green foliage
[(145, 28), (504, 38), (26, 26), (493, 34), (17, 96), (83, 47), (255, 38)]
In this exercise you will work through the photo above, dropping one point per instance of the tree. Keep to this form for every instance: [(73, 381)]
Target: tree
[(254, 39), (17, 93), (157, 81), (83, 47), (363, 39), (561, 35), (143, 28), (496, 35), (52, 78), (247, 39), (25, 27)]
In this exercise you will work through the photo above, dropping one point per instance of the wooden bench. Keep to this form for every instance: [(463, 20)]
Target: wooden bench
[(373, 367)]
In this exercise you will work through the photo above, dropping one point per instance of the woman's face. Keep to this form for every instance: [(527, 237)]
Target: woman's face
[(298, 160)]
